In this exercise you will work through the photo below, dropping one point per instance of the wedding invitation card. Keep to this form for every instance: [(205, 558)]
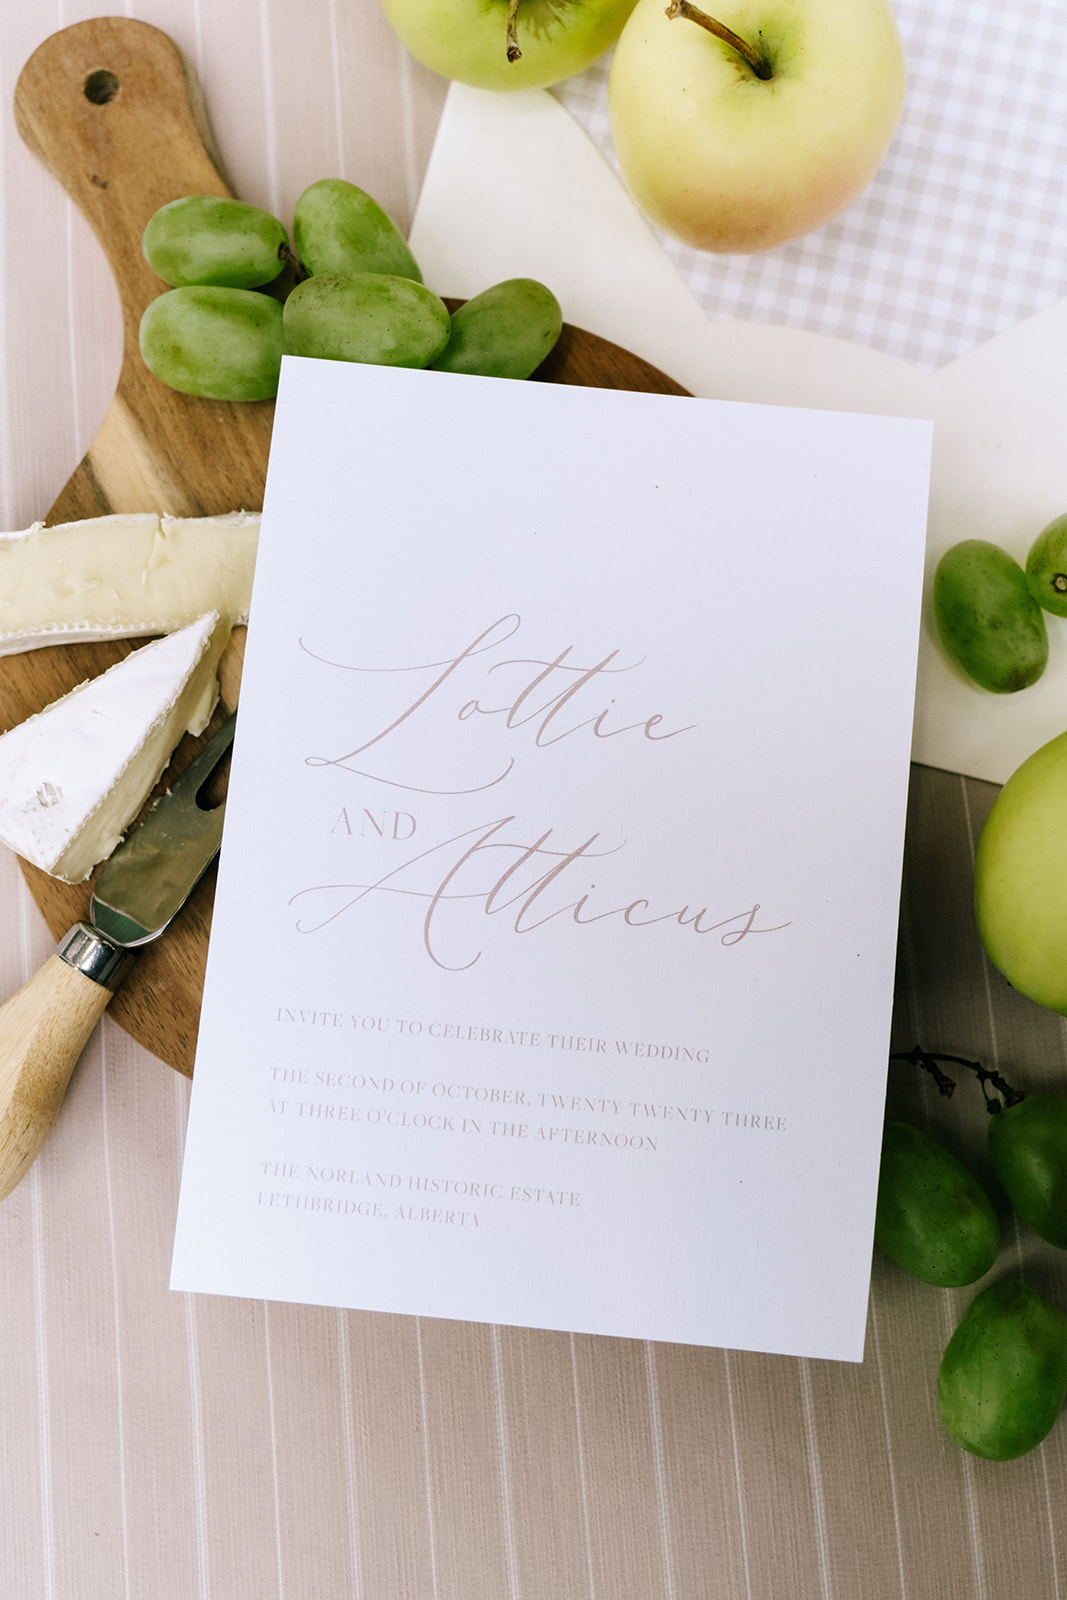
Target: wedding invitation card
[(551, 966)]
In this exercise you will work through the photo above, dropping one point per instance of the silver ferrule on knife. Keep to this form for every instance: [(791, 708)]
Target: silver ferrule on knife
[(94, 955)]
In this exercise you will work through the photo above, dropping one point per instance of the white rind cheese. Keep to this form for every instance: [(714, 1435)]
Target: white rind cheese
[(123, 577), (73, 777)]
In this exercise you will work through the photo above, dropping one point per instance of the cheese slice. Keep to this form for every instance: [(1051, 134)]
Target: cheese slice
[(73, 777), (123, 577)]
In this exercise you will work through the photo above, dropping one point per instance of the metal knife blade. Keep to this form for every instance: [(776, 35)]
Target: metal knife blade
[(46, 1025), (149, 878)]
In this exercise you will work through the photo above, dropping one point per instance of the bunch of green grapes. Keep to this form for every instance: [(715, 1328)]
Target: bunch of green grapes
[(990, 612), (222, 328), (1003, 1377)]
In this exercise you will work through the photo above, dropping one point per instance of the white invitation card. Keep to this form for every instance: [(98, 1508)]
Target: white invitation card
[(552, 958)]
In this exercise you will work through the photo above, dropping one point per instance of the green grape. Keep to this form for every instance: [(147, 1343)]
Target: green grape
[(988, 620), (504, 332), (210, 239), (339, 228), (369, 317), (1003, 1377), (1028, 1148), (1046, 567), (220, 344), (933, 1217)]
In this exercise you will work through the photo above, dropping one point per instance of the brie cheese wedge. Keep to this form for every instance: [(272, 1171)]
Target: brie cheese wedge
[(73, 777), (123, 577)]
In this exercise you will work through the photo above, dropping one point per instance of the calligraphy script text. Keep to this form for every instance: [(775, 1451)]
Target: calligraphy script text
[(521, 882), (545, 701)]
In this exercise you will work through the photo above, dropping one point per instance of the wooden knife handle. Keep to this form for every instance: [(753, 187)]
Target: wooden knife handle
[(43, 1030)]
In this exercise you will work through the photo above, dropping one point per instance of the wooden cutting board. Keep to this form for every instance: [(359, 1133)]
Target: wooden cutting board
[(111, 109)]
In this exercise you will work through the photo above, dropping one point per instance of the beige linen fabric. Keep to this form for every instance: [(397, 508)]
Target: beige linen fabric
[(189, 1448)]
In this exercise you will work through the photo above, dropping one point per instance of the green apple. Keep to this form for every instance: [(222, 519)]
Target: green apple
[(507, 44), (1020, 878), (739, 146), (1046, 567)]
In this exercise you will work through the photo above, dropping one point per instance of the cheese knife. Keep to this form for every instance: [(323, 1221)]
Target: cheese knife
[(141, 889)]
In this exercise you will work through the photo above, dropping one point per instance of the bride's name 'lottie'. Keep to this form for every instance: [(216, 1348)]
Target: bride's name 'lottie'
[(561, 679)]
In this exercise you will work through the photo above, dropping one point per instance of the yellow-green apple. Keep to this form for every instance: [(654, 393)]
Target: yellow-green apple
[(1020, 878), (507, 44), (738, 131)]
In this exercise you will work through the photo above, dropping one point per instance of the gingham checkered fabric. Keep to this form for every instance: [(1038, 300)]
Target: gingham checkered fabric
[(962, 233)]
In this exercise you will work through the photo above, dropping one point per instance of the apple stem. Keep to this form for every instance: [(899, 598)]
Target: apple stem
[(682, 8), (512, 35)]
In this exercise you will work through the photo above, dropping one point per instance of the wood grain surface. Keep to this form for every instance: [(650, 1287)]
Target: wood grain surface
[(112, 111)]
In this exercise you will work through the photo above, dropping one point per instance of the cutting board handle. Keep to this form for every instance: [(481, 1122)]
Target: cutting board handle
[(113, 112), (110, 109)]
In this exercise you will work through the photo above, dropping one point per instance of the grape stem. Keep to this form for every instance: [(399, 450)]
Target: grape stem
[(287, 254), (929, 1062), (759, 64), (512, 31)]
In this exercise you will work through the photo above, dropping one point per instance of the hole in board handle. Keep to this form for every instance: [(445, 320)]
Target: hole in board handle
[(101, 87)]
